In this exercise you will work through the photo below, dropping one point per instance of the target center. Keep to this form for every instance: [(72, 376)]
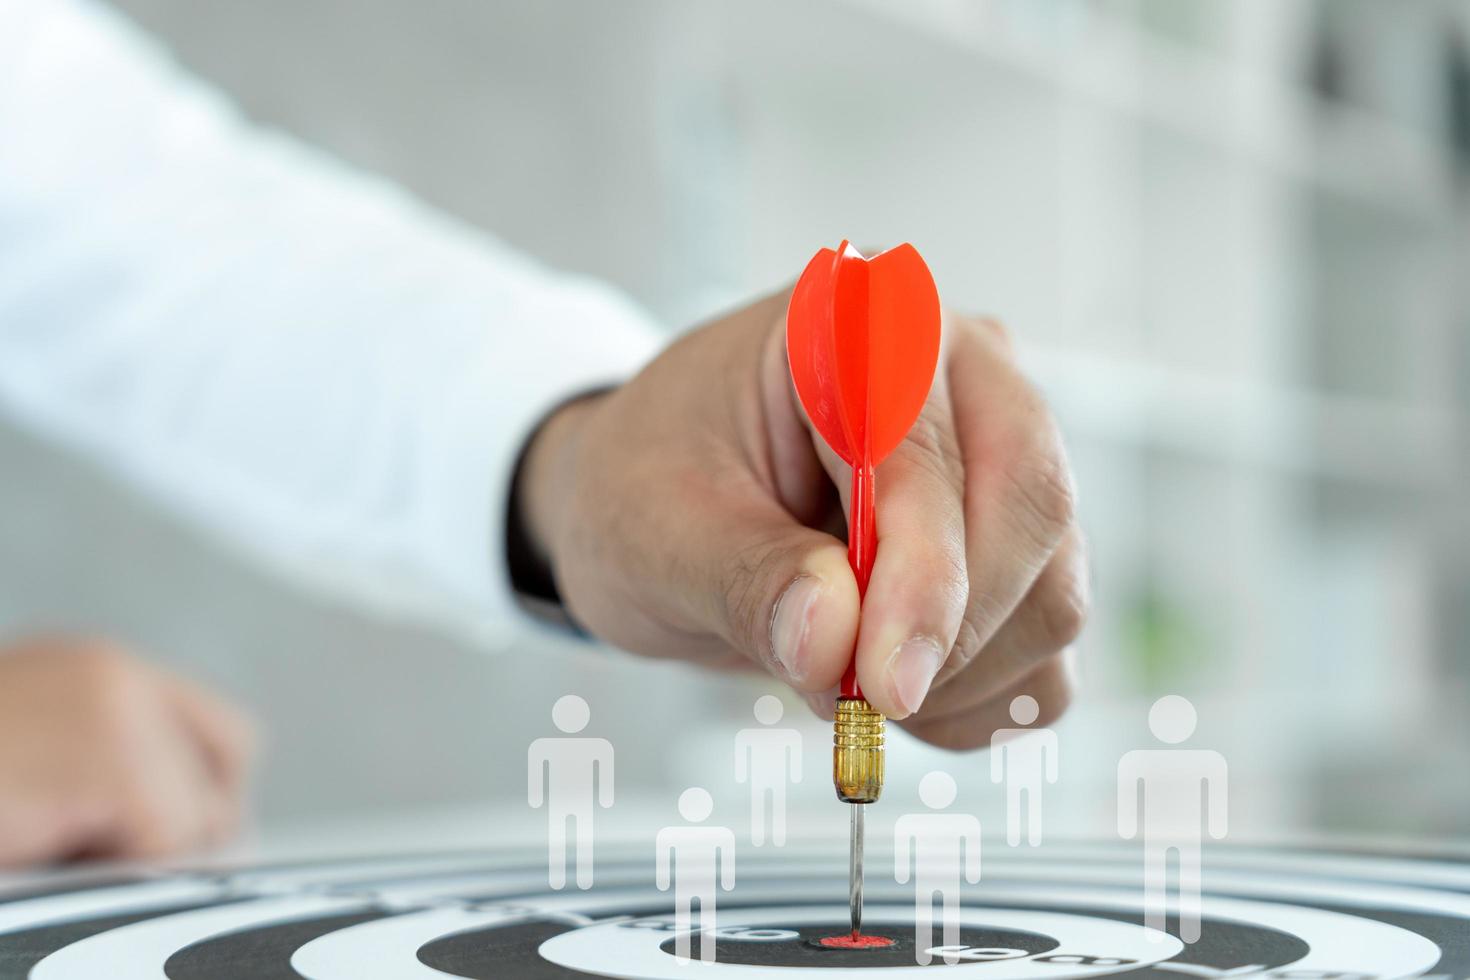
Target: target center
[(854, 940)]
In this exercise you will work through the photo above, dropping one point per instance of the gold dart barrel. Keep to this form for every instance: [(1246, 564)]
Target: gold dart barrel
[(857, 751)]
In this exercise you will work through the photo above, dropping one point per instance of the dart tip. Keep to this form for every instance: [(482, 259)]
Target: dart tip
[(855, 869)]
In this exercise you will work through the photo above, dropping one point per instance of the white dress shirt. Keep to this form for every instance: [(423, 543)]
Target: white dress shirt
[(296, 355)]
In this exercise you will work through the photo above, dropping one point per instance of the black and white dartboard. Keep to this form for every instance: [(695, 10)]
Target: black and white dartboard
[(1064, 910)]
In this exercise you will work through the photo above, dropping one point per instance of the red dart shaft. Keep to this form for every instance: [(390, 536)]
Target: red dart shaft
[(862, 548)]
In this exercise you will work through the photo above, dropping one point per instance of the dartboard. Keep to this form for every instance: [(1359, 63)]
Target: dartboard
[(1068, 909)]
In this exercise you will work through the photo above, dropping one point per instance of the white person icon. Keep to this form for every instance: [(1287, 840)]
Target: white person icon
[(767, 758), (562, 772), (1173, 784), (1023, 757), (939, 845), (694, 860)]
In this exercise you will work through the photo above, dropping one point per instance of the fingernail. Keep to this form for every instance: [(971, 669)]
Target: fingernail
[(791, 622), (911, 670)]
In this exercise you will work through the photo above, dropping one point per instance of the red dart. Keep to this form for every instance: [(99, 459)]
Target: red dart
[(862, 338)]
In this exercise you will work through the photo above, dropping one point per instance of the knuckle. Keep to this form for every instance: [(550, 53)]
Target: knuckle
[(749, 602), (932, 461), (996, 329), (1046, 496), (933, 435), (1054, 697), (953, 579), (984, 614), (967, 645), (1063, 607), (991, 330)]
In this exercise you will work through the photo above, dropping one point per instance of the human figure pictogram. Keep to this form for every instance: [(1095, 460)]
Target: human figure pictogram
[(696, 861), (567, 774), (1024, 758), (937, 845), (1174, 785), (768, 758)]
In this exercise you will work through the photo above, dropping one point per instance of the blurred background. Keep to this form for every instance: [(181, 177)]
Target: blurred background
[(1230, 237)]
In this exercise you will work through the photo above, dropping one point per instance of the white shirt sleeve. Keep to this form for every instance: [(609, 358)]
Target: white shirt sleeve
[(298, 356)]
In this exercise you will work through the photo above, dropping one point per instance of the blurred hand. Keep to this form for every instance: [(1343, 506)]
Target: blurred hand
[(694, 513), (104, 756)]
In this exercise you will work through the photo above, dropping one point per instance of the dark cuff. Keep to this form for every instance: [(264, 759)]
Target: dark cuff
[(531, 576)]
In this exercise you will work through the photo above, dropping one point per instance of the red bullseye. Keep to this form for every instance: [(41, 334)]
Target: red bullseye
[(854, 940)]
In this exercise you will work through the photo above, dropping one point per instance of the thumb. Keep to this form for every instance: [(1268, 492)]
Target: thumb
[(779, 592)]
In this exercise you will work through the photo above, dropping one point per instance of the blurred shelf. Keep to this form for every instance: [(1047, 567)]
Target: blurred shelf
[(1240, 420), (1208, 98)]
